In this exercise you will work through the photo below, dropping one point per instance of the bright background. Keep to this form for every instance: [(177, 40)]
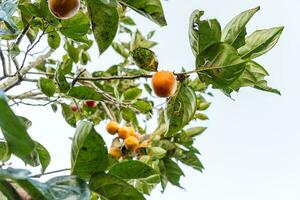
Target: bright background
[(251, 149)]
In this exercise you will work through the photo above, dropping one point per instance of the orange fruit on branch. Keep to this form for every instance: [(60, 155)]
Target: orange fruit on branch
[(112, 127), (131, 143), (64, 9), (124, 132), (164, 83), (115, 152)]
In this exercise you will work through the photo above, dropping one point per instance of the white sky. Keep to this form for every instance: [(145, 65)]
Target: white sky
[(251, 149)]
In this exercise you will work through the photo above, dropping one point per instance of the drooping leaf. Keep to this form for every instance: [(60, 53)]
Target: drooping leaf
[(44, 156), (131, 169), (47, 86), (180, 110), (105, 20), (4, 151), (203, 33), (221, 65), (260, 42), (190, 159), (89, 151), (152, 9), (113, 188), (253, 76), (173, 172), (68, 114), (235, 31), (15, 133), (85, 93)]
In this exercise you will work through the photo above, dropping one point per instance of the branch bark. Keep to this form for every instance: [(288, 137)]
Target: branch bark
[(16, 80)]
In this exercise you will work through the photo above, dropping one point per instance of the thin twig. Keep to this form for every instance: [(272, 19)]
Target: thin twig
[(48, 173)]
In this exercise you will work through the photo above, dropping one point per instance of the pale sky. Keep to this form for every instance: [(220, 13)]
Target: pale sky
[(251, 148)]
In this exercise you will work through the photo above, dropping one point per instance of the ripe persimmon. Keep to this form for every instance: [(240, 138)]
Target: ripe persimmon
[(124, 132), (74, 107), (64, 9), (115, 152), (112, 127), (164, 83), (131, 143), (90, 103)]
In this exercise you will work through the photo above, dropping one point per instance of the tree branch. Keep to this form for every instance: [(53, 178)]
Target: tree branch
[(15, 80), (48, 173)]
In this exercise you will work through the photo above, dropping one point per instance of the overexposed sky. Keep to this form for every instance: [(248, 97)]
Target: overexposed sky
[(251, 148)]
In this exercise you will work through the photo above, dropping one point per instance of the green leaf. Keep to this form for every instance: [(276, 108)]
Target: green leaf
[(85, 93), (173, 172), (75, 27), (105, 21), (15, 133), (113, 188), (235, 31), (180, 110), (89, 151), (4, 152), (7, 9), (73, 52), (54, 40), (143, 106), (132, 94), (68, 115), (145, 59), (27, 123), (62, 82), (9, 191), (44, 156), (152, 9), (58, 188), (203, 33), (47, 86), (222, 67), (253, 76), (156, 152), (190, 159), (131, 169), (129, 116), (260, 42), (69, 187), (120, 49)]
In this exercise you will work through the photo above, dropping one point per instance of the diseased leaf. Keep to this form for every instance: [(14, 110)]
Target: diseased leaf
[(260, 42), (4, 152), (105, 21), (203, 33), (180, 110), (89, 151)]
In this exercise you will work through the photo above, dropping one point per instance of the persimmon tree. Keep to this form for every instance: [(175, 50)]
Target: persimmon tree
[(124, 96)]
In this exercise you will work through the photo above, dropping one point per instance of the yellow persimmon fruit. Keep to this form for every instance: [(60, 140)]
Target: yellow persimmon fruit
[(164, 83), (131, 143), (115, 152), (64, 9), (112, 127)]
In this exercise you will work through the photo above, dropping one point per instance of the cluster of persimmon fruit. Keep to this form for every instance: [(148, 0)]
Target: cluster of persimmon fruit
[(133, 140)]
